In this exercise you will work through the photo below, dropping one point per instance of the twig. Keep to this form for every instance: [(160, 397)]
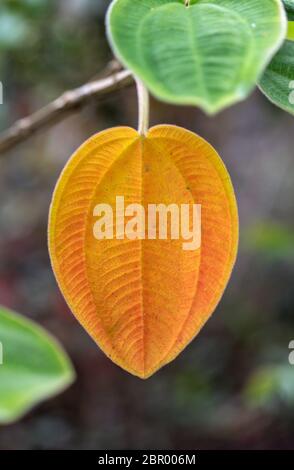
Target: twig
[(67, 103)]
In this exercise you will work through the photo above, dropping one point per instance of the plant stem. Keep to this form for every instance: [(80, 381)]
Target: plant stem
[(69, 102), (143, 107), (187, 3)]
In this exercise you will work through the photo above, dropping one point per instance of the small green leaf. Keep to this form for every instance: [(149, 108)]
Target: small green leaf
[(33, 366), (289, 5), (209, 54), (277, 82)]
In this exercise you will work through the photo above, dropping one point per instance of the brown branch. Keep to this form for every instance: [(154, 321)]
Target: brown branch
[(67, 103)]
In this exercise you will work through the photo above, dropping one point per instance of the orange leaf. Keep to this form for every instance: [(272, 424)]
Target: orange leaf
[(142, 300)]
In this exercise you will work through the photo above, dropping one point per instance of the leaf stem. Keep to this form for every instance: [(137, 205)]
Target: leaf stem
[(143, 107)]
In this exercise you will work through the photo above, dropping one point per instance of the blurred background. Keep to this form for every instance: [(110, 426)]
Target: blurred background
[(233, 387)]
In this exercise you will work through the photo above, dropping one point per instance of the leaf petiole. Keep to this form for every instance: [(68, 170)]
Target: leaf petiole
[(143, 107)]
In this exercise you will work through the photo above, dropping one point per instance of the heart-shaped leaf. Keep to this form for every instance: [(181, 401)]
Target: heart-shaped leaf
[(144, 299), (210, 53), (33, 366), (277, 82)]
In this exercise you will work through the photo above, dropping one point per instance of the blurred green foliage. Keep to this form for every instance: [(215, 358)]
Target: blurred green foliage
[(43, 44), (272, 240), (270, 385), (17, 21)]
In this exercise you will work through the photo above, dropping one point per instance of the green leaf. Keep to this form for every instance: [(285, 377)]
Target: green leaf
[(33, 366), (277, 82), (289, 5), (290, 34), (209, 54)]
